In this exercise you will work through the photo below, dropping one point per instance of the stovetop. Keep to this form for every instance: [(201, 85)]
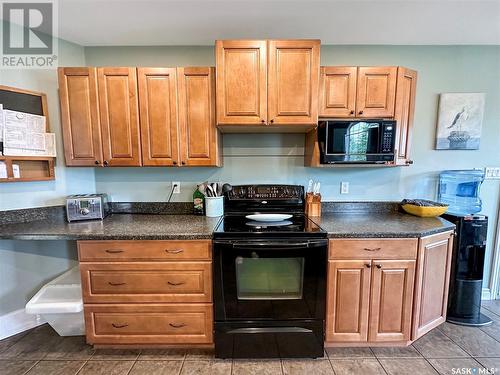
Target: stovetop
[(238, 226)]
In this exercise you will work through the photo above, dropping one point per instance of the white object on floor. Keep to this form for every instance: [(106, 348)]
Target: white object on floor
[(60, 303), (269, 217)]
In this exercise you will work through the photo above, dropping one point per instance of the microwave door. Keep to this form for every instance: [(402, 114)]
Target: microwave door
[(361, 139)]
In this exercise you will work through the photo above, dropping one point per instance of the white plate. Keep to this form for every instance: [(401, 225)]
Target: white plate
[(269, 217), (280, 223)]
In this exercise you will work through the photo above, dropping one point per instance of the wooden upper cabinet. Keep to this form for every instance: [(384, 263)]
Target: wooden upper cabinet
[(432, 280), (337, 93), (80, 116), (198, 133), (158, 116), (391, 300), (241, 82), (119, 116), (293, 80), (348, 300), (376, 91), (405, 108)]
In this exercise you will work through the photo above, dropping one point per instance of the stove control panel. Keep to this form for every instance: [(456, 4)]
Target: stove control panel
[(271, 192)]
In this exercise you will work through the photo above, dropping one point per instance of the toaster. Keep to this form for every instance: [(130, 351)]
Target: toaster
[(87, 207)]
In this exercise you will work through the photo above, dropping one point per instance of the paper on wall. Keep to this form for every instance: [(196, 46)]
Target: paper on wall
[(3, 169), (23, 130), (50, 144)]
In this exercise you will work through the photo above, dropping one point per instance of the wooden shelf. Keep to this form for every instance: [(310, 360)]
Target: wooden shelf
[(31, 168)]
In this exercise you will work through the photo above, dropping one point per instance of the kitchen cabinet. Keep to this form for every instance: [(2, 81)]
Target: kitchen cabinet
[(147, 292), (144, 116), (80, 116), (263, 83), (119, 116), (241, 67), (158, 116), (348, 300), (200, 140), (391, 300), (293, 79), (370, 290), (376, 91), (338, 91), (432, 281), (404, 113)]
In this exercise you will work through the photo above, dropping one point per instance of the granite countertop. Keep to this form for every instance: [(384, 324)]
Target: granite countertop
[(380, 225), (114, 227)]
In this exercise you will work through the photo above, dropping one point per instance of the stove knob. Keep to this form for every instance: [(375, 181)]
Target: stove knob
[(84, 211)]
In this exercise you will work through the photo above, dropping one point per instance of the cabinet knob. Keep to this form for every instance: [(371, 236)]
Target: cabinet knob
[(271, 121), (105, 162), (97, 162), (368, 265), (378, 266), (409, 162), (360, 112), (351, 113), (183, 162), (174, 162), (263, 121)]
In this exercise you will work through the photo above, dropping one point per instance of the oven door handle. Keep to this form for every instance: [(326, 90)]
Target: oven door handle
[(276, 244), (269, 330)]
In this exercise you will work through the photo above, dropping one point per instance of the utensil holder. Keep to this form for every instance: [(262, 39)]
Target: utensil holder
[(214, 206), (313, 205)]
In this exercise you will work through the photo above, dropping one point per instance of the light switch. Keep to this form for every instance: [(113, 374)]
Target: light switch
[(492, 173)]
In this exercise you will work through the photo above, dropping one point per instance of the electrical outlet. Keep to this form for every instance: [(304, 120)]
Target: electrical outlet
[(492, 173), (177, 189), (344, 187)]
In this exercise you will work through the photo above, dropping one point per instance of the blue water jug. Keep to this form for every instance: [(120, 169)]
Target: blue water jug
[(460, 190)]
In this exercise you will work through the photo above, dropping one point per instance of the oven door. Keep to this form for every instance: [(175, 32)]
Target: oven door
[(269, 279)]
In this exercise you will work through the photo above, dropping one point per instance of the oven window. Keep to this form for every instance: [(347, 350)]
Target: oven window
[(269, 278)]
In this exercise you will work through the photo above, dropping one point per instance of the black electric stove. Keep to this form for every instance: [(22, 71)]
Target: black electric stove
[(269, 277)]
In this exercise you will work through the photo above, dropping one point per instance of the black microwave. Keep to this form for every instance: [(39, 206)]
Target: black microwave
[(356, 141)]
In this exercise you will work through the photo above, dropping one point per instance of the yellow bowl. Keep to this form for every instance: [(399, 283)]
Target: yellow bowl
[(425, 211)]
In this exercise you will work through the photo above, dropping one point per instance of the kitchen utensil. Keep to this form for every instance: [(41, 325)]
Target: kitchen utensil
[(214, 206), (210, 191), (269, 217), (317, 186), (226, 188), (215, 188), (310, 186)]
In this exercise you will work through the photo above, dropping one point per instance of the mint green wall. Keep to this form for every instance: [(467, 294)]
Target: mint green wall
[(278, 158)]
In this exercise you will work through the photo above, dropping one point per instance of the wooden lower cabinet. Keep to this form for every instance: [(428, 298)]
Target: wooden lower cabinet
[(143, 293), (391, 300), (432, 281), (149, 324), (391, 291)]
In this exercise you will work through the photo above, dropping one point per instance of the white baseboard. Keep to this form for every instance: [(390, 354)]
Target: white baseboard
[(18, 321), (486, 294)]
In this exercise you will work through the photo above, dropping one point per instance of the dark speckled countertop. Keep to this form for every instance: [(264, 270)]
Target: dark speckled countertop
[(114, 227), (380, 224)]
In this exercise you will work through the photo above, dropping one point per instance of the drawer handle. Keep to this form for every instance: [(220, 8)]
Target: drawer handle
[(175, 284), (378, 266), (373, 249), (119, 325), (174, 325), (114, 251), (115, 284), (174, 251)]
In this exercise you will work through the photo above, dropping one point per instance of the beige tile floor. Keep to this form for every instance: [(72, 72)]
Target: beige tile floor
[(442, 351)]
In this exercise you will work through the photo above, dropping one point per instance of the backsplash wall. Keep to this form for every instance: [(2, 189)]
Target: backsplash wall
[(263, 158)]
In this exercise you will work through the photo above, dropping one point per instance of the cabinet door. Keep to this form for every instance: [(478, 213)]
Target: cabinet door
[(158, 116), (432, 281), (241, 82), (80, 116), (391, 300), (337, 92), (348, 295), (405, 108), (376, 91), (119, 116), (293, 81), (199, 135)]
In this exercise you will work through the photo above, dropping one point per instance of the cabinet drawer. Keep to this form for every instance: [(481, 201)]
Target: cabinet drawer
[(149, 324), (146, 282), (95, 251), (393, 248)]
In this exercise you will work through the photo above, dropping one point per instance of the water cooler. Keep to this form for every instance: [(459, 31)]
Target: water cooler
[(460, 189)]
